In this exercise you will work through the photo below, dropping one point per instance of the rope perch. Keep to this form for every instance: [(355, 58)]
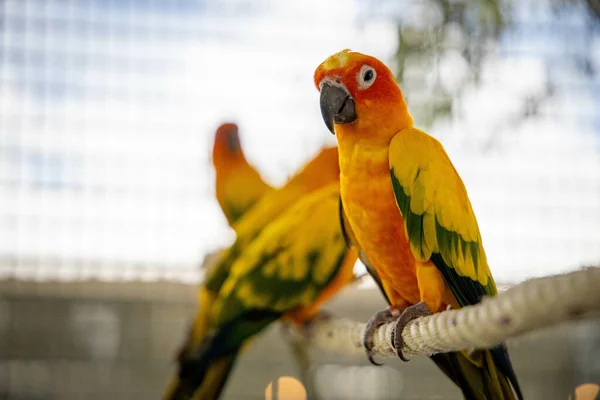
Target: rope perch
[(531, 305)]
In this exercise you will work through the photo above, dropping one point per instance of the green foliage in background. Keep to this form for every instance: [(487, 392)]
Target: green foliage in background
[(443, 43), (441, 46)]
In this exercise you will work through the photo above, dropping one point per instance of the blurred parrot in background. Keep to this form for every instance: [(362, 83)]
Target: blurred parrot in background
[(409, 212), (238, 185), (297, 263), (320, 171)]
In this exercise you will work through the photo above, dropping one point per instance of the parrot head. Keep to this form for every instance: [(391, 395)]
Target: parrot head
[(359, 92), (227, 147), (227, 138)]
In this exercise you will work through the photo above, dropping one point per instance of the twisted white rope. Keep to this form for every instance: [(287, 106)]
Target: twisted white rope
[(529, 306)]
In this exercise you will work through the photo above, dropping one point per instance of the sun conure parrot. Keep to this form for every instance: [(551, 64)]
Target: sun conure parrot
[(297, 263), (321, 170), (409, 211), (238, 185)]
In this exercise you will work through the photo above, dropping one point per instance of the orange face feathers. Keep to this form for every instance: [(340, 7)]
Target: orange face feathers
[(359, 92), (358, 73)]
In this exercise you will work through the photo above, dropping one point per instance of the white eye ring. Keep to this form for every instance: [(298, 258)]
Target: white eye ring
[(366, 77)]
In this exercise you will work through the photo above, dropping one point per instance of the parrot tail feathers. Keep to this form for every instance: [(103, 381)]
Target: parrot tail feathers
[(477, 375), (202, 382), (203, 374), (216, 377), (500, 358), (198, 328), (171, 393)]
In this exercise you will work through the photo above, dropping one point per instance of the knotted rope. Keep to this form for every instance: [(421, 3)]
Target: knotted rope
[(531, 305)]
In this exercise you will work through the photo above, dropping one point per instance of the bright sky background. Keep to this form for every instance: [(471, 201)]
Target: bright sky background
[(108, 111)]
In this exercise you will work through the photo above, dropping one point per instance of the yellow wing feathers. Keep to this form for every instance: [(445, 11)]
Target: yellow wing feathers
[(291, 260), (435, 206)]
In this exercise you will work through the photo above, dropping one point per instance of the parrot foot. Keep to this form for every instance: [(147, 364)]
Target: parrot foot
[(415, 311), (378, 319)]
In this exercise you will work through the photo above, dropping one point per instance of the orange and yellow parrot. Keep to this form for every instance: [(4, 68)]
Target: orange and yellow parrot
[(320, 171), (238, 185), (296, 264), (409, 212)]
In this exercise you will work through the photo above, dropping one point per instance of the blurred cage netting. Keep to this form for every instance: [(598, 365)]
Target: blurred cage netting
[(107, 113)]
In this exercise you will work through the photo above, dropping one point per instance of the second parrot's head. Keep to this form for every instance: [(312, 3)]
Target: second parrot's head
[(227, 147), (358, 90), (227, 137)]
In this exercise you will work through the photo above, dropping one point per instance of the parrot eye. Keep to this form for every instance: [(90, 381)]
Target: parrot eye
[(366, 77)]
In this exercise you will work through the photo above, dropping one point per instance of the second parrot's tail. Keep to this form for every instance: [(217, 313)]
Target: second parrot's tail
[(203, 374), (178, 389), (201, 382), (198, 328), (478, 376)]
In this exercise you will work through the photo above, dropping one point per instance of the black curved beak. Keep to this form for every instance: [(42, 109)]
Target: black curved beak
[(233, 142), (337, 106)]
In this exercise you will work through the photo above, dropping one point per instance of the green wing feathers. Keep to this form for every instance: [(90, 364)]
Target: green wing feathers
[(250, 226), (290, 262), (439, 220), (441, 227)]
